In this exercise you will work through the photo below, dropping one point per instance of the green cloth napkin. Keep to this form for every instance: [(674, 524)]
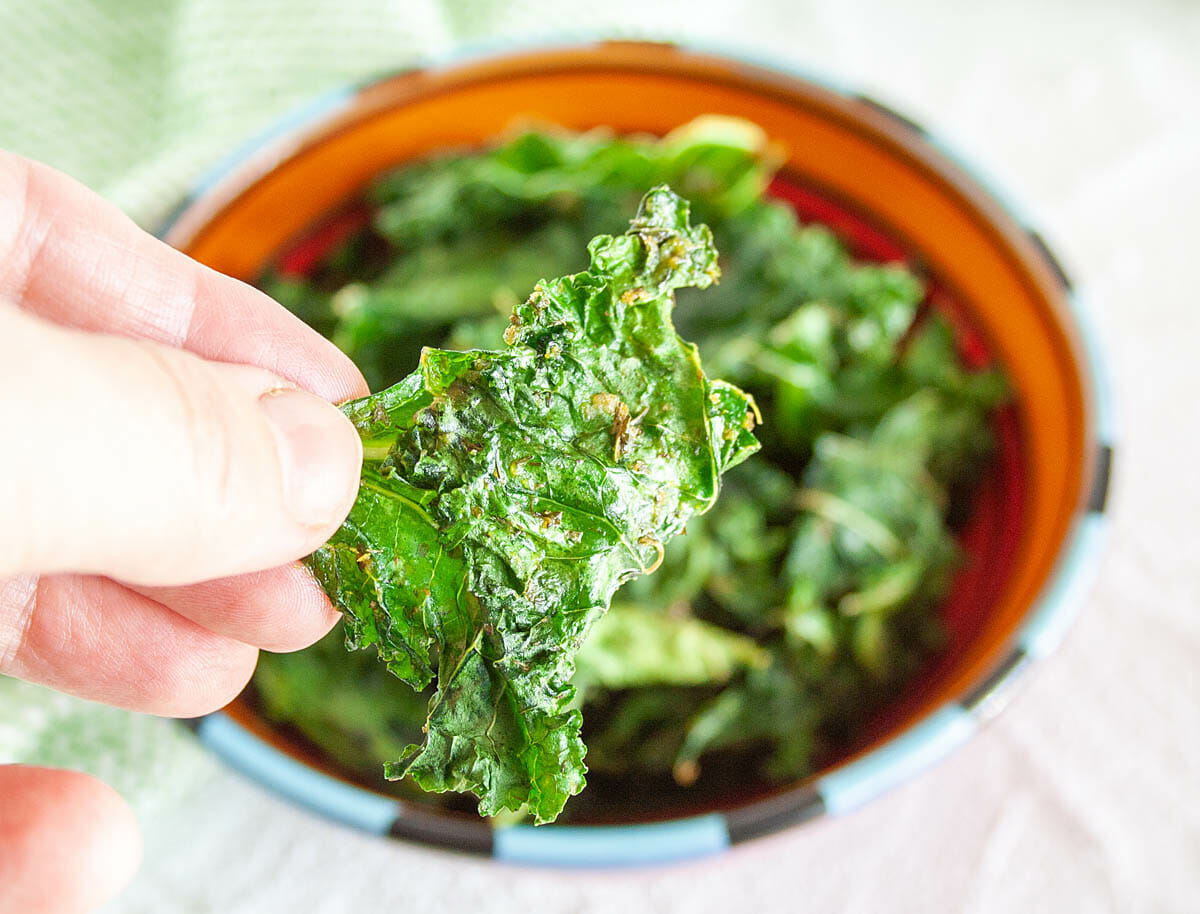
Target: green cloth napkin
[(137, 97)]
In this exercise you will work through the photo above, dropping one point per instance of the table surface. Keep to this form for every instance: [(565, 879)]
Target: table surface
[(1085, 795)]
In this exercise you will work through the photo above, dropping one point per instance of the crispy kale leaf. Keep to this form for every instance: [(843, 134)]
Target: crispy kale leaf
[(506, 495)]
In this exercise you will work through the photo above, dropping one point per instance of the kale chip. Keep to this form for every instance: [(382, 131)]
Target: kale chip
[(506, 495)]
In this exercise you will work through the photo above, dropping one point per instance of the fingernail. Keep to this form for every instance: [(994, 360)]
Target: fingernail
[(320, 455)]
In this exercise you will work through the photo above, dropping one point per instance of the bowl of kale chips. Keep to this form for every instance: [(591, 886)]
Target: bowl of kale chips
[(912, 531)]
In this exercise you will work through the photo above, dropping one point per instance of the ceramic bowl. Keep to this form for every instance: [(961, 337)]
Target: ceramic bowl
[(891, 190)]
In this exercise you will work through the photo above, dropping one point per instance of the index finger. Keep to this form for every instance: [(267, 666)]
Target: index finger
[(75, 259)]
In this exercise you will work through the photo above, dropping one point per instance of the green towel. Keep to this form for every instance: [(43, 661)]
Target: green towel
[(137, 97)]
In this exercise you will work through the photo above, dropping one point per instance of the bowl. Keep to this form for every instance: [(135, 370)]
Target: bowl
[(889, 189)]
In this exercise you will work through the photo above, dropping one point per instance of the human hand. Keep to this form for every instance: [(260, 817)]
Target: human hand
[(169, 452)]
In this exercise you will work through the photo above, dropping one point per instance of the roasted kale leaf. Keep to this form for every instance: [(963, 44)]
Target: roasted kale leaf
[(631, 646), (506, 495)]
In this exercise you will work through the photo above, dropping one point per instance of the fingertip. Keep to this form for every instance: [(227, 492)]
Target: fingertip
[(68, 842), (214, 681), (342, 381), (201, 672), (194, 673), (110, 829), (279, 609), (282, 609), (310, 360), (320, 458), (311, 616)]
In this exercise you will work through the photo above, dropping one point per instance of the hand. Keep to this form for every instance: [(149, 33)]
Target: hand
[(168, 452)]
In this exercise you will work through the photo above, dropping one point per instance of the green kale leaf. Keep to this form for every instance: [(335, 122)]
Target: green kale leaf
[(631, 646), (507, 495)]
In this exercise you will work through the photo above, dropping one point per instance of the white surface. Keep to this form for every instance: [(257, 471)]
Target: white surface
[(1085, 795)]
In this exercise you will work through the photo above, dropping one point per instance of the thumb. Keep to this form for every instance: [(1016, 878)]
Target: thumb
[(148, 464)]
